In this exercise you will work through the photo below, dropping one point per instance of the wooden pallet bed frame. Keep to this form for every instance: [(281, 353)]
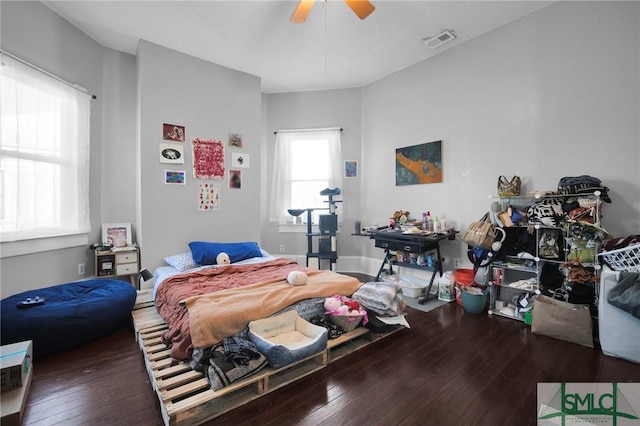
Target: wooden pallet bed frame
[(184, 394)]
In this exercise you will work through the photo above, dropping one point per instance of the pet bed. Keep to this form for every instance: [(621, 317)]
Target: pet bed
[(287, 338), (72, 314)]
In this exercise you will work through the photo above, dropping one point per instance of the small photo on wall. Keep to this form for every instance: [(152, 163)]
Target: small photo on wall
[(174, 177), (240, 160), (172, 132), (235, 140), (171, 153), (351, 169), (235, 179)]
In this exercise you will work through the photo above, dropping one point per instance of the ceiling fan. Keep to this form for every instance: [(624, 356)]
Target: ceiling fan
[(362, 8)]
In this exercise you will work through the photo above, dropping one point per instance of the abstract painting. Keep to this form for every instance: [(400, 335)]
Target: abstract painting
[(418, 164)]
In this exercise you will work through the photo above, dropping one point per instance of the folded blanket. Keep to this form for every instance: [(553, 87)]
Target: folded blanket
[(381, 297)]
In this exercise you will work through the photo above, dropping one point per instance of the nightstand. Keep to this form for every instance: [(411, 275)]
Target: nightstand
[(118, 262)]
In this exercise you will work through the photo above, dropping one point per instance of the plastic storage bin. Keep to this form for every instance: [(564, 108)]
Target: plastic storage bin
[(411, 286), (619, 331)]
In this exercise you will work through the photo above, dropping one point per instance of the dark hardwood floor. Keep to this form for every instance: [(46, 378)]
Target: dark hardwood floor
[(450, 368)]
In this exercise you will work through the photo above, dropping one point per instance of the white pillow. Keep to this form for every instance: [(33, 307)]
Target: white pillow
[(181, 262)]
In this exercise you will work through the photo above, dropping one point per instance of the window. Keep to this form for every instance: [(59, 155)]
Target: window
[(44, 155), (305, 163)]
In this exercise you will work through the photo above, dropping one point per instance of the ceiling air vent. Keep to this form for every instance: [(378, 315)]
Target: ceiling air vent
[(440, 39)]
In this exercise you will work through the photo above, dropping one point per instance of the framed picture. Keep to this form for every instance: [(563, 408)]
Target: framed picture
[(419, 164), (174, 177), (117, 234), (351, 169), (172, 132)]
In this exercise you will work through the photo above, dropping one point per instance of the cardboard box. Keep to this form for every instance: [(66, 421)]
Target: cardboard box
[(15, 364), (13, 403)]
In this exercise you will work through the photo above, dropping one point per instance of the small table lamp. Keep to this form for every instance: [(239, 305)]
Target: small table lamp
[(145, 275)]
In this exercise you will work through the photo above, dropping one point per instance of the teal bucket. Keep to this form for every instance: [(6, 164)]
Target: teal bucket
[(473, 303)]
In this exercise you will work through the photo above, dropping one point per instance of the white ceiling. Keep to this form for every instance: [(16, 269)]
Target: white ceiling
[(333, 49)]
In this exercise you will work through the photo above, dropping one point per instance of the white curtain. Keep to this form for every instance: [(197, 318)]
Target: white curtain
[(316, 153), (44, 164)]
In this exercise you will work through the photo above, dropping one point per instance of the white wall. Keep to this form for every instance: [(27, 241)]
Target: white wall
[(554, 94)]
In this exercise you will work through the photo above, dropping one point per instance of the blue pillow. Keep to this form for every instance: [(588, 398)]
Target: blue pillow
[(204, 253)]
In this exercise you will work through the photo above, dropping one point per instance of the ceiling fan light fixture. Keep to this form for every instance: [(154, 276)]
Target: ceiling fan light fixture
[(442, 38)]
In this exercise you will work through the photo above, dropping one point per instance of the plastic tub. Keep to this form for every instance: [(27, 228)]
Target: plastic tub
[(411, 287), (473, 303), (463, 277)]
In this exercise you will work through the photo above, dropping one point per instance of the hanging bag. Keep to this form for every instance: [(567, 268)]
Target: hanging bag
[(482, 234), (509, 188)]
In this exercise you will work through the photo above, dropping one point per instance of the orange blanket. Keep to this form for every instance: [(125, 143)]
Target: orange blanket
[(215, 316)]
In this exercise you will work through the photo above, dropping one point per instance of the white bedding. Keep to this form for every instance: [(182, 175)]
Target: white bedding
[(161, 273)]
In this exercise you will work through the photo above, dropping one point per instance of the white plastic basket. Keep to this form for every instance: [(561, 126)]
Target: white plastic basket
[(626, 259)]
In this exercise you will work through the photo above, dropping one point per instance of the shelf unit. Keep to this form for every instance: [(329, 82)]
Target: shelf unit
[(507, 276), (114, 263)]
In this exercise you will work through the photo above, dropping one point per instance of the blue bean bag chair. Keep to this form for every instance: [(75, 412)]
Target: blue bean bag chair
[(72, 314)]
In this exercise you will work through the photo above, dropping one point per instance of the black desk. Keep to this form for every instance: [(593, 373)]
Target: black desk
[(391, 240)]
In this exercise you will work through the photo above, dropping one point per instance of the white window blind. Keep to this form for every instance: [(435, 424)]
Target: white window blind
[(44, 161), (305, 163)]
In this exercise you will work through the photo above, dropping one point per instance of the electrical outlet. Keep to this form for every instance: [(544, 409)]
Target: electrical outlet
[(456, 263), (282, 250), (80, 268)]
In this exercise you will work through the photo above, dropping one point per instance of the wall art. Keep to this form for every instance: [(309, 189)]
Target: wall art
[(235, 140), (171, 153), (238, 159), (117, 234), (208, 159), (173, 132), (174, 177), (235, 179), (208, 197), (419, 164), (351, 169)]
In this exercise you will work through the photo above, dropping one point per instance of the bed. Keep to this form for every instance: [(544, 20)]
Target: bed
[(191, 306), (203, 305)]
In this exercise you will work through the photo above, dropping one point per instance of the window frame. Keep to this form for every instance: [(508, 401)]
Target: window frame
[(65, 154)]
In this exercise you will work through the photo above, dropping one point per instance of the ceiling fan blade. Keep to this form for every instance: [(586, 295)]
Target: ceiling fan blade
[(302, 11), (362, 8)]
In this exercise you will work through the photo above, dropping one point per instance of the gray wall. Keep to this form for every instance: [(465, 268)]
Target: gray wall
[(34, 33), (556, 93), (211, 101), (315, 109)]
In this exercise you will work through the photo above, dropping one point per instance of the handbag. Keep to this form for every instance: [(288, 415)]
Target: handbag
[(509, 188), (482, 234), (562, 320), (583, 184)]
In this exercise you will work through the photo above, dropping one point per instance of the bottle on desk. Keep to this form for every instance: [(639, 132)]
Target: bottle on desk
[(429, 221)]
